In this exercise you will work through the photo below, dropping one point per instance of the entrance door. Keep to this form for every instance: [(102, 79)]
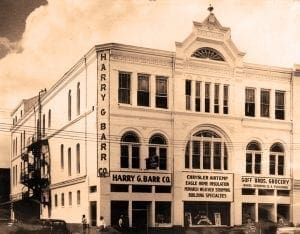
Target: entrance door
[(140, 215), (118, 208), (93, 213)]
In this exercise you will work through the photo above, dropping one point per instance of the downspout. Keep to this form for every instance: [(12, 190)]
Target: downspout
[(172, 136), (292, 152)]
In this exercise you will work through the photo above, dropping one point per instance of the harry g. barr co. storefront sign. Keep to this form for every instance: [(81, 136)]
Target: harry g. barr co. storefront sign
[(207, 186), (137, 178), (266, 182)]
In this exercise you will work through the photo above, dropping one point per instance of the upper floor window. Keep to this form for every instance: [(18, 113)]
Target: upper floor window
[(265, 103), (124, 87), (78, 158), (208, 53), (276, 160), (198, 96), (188, 93), (130, 151), (69, 105), (206, 150), (216, 98), (55, 200), (69, 162), (253, 158), (279, 104), (161, 99), (78, 197), (44, 126), (207, 97), (78, 98), (70, 198), (62, 199), (157, 152), (143, 90), (250, 102), (62, 156), (49, 118), (225, 98)]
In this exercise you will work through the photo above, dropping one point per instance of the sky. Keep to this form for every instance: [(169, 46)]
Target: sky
[(40, 40)]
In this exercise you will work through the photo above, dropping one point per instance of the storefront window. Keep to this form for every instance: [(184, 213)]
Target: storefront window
[(206, 150), (162, 212), (206, 213), (130, 151)]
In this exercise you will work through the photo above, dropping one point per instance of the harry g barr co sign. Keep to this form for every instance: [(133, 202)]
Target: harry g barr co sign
[(103, 114), (266, 182), (140, 178)]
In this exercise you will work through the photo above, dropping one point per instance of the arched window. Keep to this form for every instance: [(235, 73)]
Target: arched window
[(130, 151), (69, 105), (253, 158), (276, 166), (78, 98), (157, 152), (206, 150), (69, 162), (208, 53)]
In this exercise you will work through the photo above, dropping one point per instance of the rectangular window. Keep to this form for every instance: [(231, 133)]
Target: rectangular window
[(121, 188), (124, 87), (257, 168), (78, 197), (49, 118), (280, 165), (207, 97), (135, 156), (248, 163), (198, 97), (141, 188), (78, 158), (217, 155), (124, 156), (44, 126), (216, 99), (248, 191), (55, 200), (196, 155), (69, 162), (162, 212), (62, 156), (272, 164), (162, 189), (143, 90), (187, 156), (163, 158), (265, 103), (250, 102), (62, 199), (225, 99), (279, 104), (93, 189), (206, 154), (70, 198), (188, 92), (225, 158), (161, 92)]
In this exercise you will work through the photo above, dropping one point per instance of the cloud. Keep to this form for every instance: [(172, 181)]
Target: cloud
[(6, 47)]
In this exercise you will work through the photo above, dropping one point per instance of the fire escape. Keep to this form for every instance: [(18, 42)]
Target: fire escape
[(35, 171)]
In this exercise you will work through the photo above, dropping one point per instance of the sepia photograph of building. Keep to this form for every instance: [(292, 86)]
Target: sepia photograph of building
[(190, 137)]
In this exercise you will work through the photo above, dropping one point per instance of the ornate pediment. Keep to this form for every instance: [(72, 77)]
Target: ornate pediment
[(209, 40)]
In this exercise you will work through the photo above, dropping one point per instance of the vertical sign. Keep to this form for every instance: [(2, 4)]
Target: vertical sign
[(103, 114)]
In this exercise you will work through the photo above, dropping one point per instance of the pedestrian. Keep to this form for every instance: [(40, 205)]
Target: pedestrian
[(102, 224), (121, 222), (84, 224)]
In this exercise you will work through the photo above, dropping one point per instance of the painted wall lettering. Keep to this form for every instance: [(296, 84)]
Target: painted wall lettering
[(103, 114)]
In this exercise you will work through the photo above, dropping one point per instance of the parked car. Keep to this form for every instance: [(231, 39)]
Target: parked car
[(288, 230), (54, 226)]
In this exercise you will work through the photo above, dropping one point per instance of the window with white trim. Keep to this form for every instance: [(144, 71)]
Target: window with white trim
[(158, 151), (265, 103), (276, 159), (250, 102), (143, 94), (206, 150), (161, 95), (279, 104), (124, 87), (253, 158), (130, 151)]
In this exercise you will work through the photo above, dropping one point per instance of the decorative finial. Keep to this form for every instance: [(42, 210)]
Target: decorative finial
[(210, 8)]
